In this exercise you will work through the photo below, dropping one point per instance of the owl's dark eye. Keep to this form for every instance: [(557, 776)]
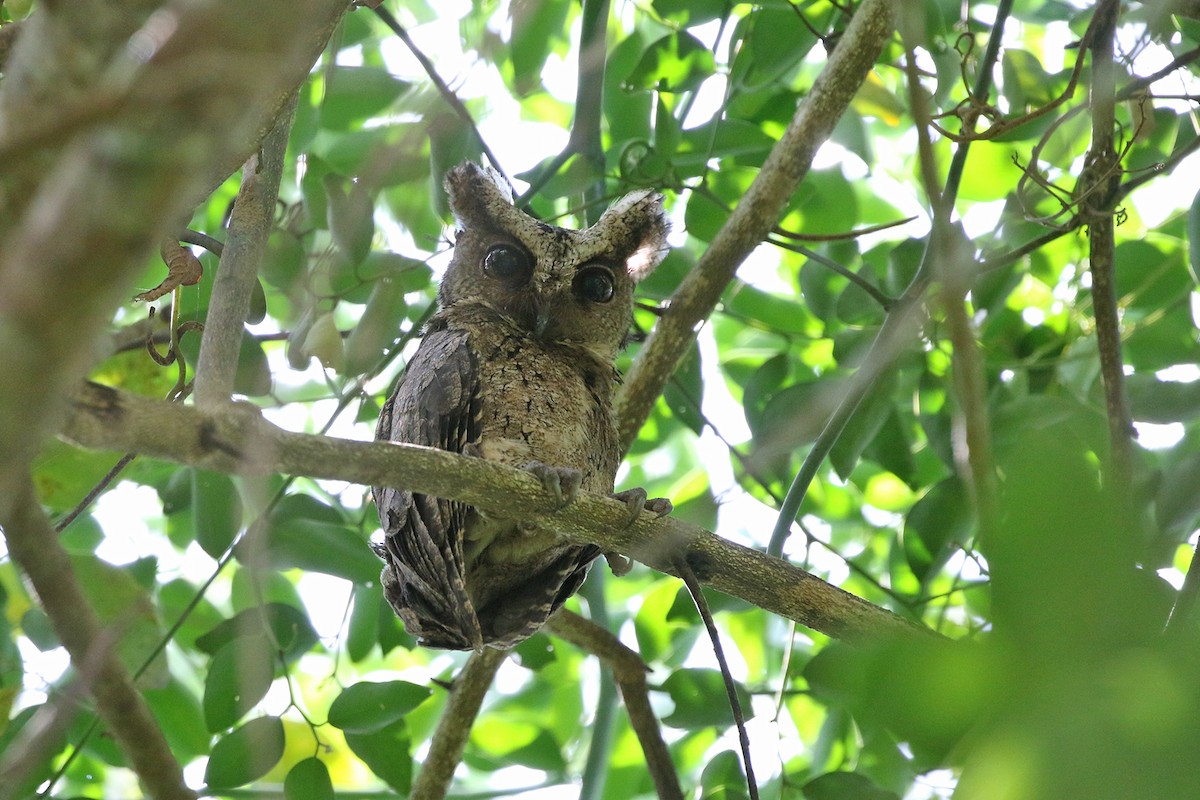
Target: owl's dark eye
[(594, 284), (507, 263)]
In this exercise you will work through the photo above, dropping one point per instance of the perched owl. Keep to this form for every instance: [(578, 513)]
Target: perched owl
[(515, 366)]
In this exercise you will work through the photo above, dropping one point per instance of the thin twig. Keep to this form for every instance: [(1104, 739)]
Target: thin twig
[(443, 88), (739, 719), (952, 263), (980, 92)]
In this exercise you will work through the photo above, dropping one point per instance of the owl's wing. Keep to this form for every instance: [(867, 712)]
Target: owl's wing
[(436, 404)]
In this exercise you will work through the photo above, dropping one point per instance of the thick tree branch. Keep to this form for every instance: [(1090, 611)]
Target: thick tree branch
[(630, 673), (756, 215), (199, 79), (249, 226), (34, 547), (454, 727), (237, 439)]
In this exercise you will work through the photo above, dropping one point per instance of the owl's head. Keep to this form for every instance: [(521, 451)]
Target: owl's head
[(558, 285)]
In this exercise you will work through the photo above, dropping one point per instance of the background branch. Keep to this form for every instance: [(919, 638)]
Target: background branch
[(123, 186), (1097, 188), (33, 545), (446, 748), (756, 215), (249, 226), (629, 671)]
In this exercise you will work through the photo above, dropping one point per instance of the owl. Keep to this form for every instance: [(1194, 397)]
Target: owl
[(515, 366)]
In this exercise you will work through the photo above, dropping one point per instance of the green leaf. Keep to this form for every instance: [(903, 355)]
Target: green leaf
[(284, 260), (700, 699), (690, 12), (178, 712), (678, 62), (936, 523), (1026, 82), (537, 25), (683, 393), (315, 545), (845, 786), (1157, 401), (776, 42), (777, 313), (1147, 278), (378, 327), (367, 707), (862, 428), (1193, 237), (64, 474), (723, 778), (246, 754), (354, 94), (363, 631), (216, 510), (308, 780), (1177, 506), (535, 652), (287, 626), (239, 676), (118, 599), (351, 216), (543, 752), (387, 753)]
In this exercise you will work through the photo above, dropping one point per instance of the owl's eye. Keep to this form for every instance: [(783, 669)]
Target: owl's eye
[(507, 263), (594, 284)]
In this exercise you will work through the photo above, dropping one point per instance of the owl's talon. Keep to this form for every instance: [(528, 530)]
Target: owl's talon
[(564, 482), (635, 500)]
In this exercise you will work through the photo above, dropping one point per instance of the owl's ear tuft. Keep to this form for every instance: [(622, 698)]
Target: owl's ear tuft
[(639, 222), (476, 191)]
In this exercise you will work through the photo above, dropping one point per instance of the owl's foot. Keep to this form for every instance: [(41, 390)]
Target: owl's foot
[(563, 482), (635, 500)]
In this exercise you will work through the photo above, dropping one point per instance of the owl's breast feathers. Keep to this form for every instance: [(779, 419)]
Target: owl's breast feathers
[(457, 578)]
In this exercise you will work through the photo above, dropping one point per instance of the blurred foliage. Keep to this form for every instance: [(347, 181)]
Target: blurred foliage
[(284, 666)]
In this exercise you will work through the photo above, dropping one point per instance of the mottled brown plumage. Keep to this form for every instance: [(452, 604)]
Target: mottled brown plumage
[(516, 366)]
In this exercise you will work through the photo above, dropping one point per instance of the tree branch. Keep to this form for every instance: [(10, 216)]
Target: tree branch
[(446, 747), (249, 226), (34, 546), (237, 439), (755, 215), (629, 671), (1097, 191), (197, 89)]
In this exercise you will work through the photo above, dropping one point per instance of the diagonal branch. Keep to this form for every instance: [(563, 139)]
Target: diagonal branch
[(197, 89), (630, 673), (454, 727), (237, 439), (756, 215), (35, 547), (249, 226)]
